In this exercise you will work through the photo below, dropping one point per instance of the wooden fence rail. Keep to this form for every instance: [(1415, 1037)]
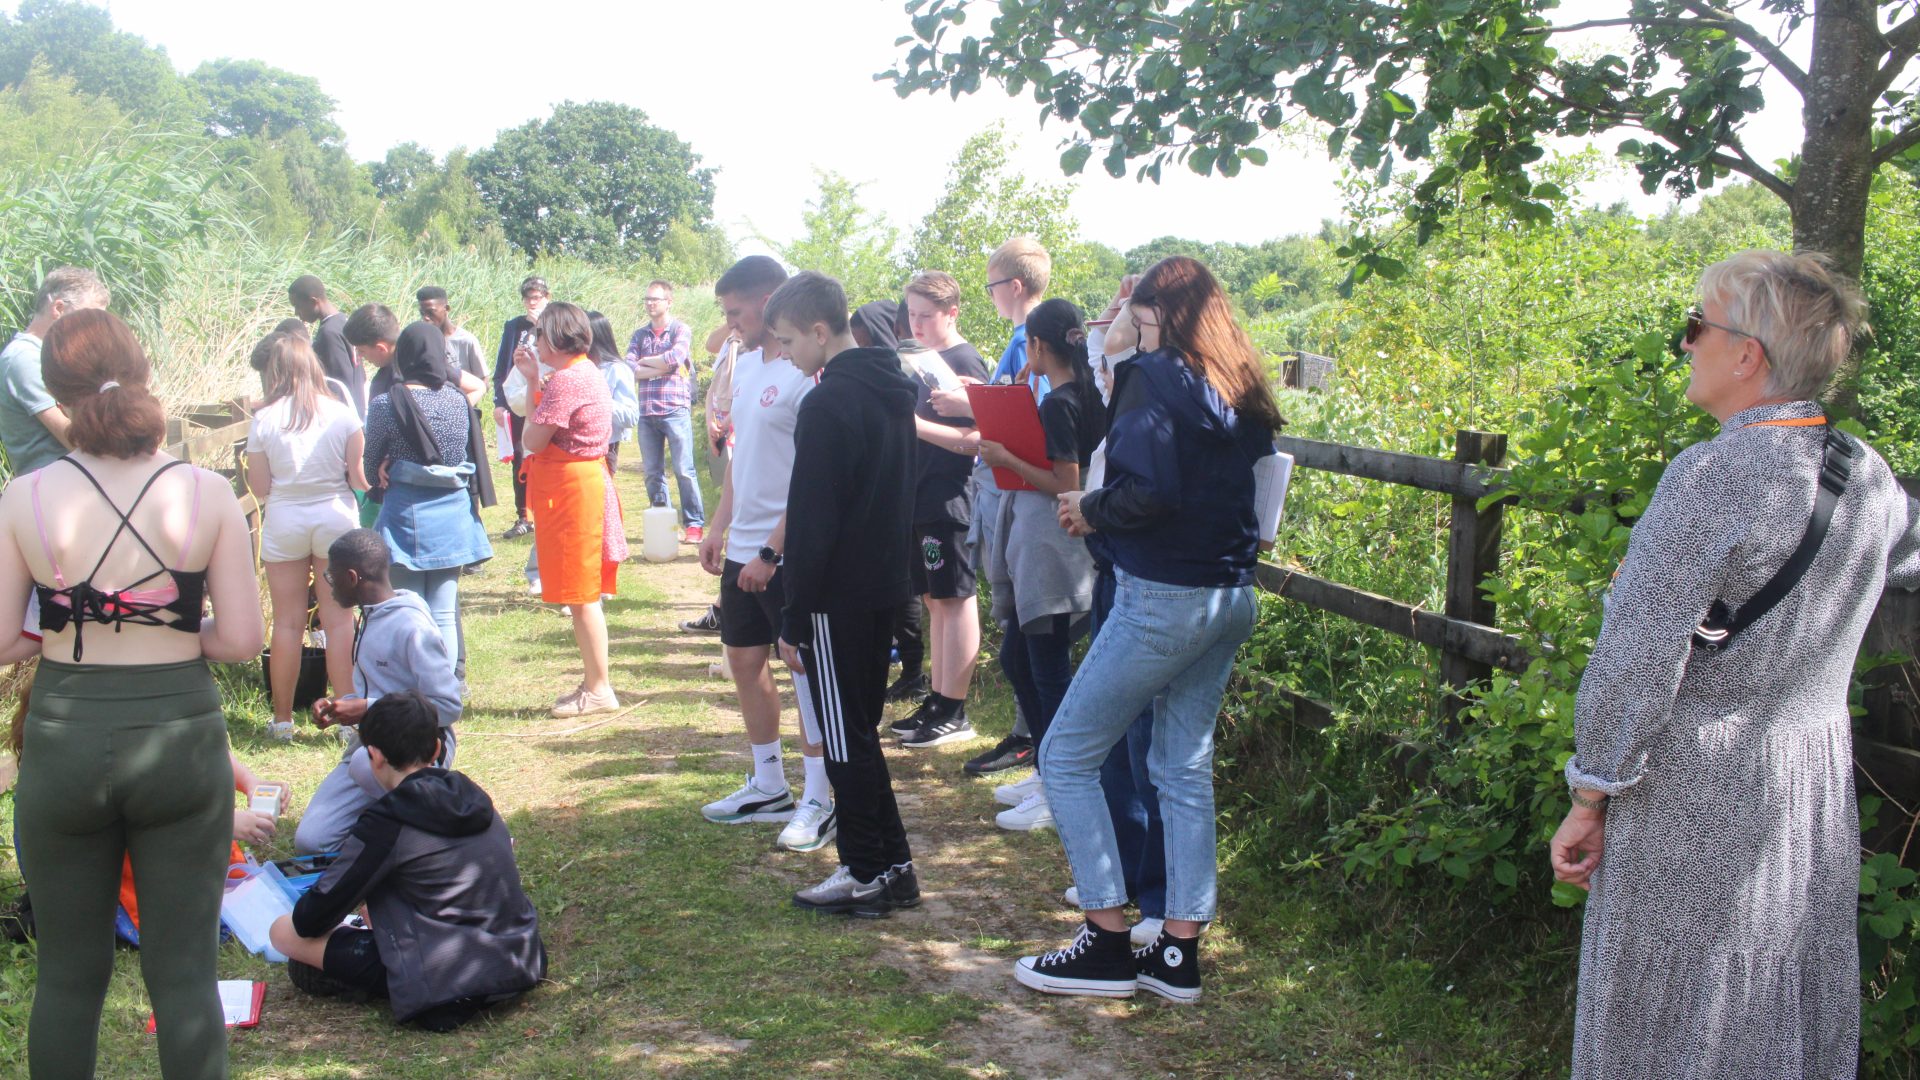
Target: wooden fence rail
[(1471, 645)]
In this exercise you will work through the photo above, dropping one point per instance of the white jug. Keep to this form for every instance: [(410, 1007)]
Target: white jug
[(660, 531)]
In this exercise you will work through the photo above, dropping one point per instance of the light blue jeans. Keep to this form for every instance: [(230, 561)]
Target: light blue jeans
[(1160, 639), (671, 433), (441, 590)]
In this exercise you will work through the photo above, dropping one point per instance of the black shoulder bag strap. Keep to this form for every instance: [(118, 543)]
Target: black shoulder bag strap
[(1720, 627)]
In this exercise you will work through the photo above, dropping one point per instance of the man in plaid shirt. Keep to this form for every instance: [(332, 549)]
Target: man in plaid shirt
[(661, 355)]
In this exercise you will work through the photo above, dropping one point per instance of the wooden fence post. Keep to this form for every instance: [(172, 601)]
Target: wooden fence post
[(1473, 556)]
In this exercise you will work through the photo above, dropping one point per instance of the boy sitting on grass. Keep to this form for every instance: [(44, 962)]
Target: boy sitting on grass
[(451, 931), (398, 648)]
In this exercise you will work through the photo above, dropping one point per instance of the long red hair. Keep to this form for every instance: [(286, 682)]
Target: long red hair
[(1197, 320)]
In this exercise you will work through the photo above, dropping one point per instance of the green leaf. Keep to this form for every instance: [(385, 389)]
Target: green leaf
[(1075, 159), (1506, 873), (1887, 924)]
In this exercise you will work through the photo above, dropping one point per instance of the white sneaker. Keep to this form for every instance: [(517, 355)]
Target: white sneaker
[(280, 730), (1032, 813), (1072, 895), (1016, 793), (533, 586), (750, 803), (1146, 932), (813, 826)]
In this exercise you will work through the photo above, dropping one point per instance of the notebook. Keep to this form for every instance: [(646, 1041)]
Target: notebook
[(240, 1000)]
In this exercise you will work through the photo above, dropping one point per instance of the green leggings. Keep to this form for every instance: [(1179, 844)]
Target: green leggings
[(125, 760)]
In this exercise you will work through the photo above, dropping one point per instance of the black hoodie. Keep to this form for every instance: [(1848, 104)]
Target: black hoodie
[(850, 502), (434, 865)]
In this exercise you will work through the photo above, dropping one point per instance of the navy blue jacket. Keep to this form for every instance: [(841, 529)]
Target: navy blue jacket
[(1177, 504)]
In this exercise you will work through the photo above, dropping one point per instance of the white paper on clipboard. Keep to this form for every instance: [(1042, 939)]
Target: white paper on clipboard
[(931, 368), (1271, 474)]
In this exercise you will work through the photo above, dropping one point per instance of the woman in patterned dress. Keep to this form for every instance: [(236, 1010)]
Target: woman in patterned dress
[(1714, 817)]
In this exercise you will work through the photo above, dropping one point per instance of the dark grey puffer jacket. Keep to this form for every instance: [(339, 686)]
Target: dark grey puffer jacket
[(434, 865)]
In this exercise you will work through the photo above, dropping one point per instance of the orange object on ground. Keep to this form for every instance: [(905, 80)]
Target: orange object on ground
[(580, 539)]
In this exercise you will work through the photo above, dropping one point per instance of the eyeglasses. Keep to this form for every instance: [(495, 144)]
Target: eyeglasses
[(327, 574), (1697, 324), (992, 285)]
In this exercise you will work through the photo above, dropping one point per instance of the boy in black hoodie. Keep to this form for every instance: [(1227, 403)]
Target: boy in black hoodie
[(451, 930), (849, 506)]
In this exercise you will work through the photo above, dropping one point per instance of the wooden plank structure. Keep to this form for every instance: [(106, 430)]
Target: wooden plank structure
[(1471, 646), (214, 437)]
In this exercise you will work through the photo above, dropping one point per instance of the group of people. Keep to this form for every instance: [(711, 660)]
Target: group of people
[(1714, 817)]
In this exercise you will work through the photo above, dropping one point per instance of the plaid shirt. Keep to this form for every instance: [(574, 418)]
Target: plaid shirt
[(663, 395)]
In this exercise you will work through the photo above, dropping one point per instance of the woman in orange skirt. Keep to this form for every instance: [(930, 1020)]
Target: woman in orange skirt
[(580, 540)]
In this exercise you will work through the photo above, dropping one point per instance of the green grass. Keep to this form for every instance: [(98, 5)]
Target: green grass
[(674, 950)]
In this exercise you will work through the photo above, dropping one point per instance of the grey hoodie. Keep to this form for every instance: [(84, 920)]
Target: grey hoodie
[(399, 648)]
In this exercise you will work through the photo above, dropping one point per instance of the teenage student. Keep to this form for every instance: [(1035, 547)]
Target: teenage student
[(846, 578), (744, 547), (125, 744), (942, 511), (450, 930), (517, 333), (1043, 578)]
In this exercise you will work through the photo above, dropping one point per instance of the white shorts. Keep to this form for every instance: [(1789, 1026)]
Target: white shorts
[(293, 531)]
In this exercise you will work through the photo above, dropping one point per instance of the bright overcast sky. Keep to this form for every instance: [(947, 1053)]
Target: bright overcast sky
[(766, 91)]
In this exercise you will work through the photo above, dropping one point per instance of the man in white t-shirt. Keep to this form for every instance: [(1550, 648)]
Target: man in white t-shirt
[(744, 545)]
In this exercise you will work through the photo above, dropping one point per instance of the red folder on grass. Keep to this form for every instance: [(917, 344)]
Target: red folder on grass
[(1009, 416)]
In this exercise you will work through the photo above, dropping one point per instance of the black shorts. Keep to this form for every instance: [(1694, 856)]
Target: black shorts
[(352, 958), (749, 620), (942, 562)]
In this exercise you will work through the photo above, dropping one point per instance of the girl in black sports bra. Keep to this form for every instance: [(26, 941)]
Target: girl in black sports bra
[(125, 742)]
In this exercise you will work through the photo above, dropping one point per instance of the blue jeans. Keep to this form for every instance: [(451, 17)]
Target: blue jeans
[(672, 433), (1040, 668), (1132, 801), (441, 590), (1161, 639)]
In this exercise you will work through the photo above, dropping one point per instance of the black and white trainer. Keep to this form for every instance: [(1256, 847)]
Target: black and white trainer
[(1099, 963), (903, 885), (939, 729), (843, 894), (911, 722), (1170, 967)]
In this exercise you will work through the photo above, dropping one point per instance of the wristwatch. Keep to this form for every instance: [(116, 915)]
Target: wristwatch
[(768, 555)]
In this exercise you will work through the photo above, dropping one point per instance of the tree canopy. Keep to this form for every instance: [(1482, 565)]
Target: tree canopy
[(247, 97), (594, 180), (1469, 86)]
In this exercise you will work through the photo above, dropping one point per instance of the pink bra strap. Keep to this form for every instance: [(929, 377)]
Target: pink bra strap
[(41, 524), (193, 523)]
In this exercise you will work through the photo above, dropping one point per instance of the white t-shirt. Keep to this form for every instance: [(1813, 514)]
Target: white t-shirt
[(310, 465), (766, 405)]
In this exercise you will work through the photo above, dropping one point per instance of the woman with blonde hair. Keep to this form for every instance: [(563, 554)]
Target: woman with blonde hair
[(303, 464), (1713, 815), (1175, 518), (125, 744)]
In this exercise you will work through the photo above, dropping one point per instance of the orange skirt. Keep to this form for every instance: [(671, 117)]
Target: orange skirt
[(569, 497)]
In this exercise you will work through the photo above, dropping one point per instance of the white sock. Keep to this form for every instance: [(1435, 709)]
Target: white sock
[(818, 789), (769, 772)]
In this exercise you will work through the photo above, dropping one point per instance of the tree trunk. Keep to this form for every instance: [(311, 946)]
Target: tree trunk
[(1836, 155)]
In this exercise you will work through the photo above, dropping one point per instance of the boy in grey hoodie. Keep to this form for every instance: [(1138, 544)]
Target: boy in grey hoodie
[(398, 647)]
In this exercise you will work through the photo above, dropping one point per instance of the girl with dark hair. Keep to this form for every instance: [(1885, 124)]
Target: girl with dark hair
[(1191, 415), (1043, 578), (580, 536), (304, 463), (417, 442), (621, 387), (125, 744)]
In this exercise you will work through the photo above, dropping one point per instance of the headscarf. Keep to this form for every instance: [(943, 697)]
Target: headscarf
[(419, 357), (877, 320)]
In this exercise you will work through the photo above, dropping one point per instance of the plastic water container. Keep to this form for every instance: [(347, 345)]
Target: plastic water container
[(660, 531)]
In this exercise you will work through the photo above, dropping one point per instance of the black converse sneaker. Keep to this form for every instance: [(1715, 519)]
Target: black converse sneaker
[(938, 729), (842, 894), (1170, 967), (1099, 963), (903, 885), (911, 722)]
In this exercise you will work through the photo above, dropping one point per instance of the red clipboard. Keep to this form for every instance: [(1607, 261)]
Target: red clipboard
[(252, 1019), (1009, 416)]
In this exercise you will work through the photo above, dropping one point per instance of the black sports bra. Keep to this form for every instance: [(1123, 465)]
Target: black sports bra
[(63, 605)]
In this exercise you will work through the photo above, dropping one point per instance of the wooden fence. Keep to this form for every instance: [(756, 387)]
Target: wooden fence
[(1471, 646), (214, 437)]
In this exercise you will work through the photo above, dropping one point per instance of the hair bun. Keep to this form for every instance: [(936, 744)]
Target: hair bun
[(1076, 336)]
